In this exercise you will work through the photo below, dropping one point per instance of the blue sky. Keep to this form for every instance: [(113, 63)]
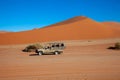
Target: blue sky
[(20, 15)]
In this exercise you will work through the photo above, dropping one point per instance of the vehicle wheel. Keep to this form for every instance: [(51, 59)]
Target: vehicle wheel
[(40, 53), (56, 52)]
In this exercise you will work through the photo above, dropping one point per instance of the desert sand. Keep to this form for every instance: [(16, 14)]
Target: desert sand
[(86, 56), (115, 26), (81, 60), (77, 28), (3, 32)]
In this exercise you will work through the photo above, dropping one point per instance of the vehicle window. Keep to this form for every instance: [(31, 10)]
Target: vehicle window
[(57, 45), (48, 47), (62, 45), (53, 46)]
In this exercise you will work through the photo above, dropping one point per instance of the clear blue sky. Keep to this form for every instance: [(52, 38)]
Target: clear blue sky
[(20, 15)]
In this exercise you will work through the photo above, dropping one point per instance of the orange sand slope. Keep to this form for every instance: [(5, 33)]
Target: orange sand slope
[(3, 32), (73, 29), (115, 26)]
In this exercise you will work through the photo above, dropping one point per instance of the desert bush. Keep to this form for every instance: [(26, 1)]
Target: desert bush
[(38, 45), (117, 45), (32, 48)]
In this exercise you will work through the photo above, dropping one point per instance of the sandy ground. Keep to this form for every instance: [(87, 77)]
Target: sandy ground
[(81, 60)]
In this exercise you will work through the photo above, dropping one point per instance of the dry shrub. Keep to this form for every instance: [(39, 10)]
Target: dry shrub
[(32, 48), (117, 45)]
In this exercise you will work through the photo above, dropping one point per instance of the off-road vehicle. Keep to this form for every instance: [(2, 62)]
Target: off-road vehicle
[(51, 48)]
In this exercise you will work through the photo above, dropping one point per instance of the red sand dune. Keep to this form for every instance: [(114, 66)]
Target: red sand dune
[(3, 32), (73, 29), (112, 24), (115, 26)]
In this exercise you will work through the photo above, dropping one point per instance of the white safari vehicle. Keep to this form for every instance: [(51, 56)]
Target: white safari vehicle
[(51, 48)]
